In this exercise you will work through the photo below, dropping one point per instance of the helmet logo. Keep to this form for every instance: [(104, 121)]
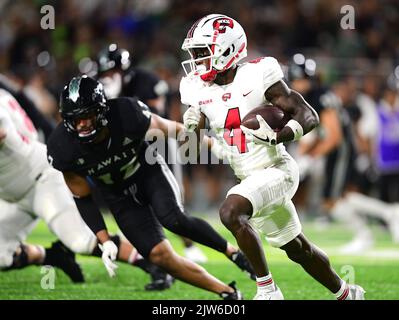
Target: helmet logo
[(74, 86), (221, 24)]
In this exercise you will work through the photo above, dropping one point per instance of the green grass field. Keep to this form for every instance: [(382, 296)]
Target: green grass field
[(376, 271)]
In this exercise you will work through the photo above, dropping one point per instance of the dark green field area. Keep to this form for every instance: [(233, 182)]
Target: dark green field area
[(376, 270)]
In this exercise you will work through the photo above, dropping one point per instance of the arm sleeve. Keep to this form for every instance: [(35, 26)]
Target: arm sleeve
[(90, 213)]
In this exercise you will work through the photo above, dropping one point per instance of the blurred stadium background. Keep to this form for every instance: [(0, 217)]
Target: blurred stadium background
[(358, 66)]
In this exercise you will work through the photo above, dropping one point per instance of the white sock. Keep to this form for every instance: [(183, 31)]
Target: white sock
[(343, 292), (265, 283)]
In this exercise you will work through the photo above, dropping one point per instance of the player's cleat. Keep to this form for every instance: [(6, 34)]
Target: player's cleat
[(352, 292), (269, 295), (160, 284), (195, 254), (160, 280), (61, 257), (242, 262), (236, 295)]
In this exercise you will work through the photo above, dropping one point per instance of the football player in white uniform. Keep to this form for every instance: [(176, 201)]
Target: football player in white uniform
[(219, 89), (31, 189)]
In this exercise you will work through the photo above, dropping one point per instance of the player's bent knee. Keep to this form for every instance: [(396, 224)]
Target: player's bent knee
[(230, 217), (161, 255)]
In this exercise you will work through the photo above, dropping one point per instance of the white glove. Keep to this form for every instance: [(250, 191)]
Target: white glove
[(110, 252), (263, 135), (191, 118)]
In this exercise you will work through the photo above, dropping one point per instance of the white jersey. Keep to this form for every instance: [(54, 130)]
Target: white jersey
[(22, 157), (226, 105)]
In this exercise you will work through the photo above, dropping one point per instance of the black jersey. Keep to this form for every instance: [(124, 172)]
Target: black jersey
[(114, 163), (143, 85)]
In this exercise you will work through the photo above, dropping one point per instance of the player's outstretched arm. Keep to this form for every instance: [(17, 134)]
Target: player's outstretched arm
[(168, 128), (173, 129), (92, 216), (304, 117), (89, 211)]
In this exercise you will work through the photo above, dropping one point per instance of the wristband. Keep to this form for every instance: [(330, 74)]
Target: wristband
[(296, 128)]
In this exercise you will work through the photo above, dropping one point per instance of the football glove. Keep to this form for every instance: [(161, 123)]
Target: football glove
[(191, 118), (263, 135), (110, 252)]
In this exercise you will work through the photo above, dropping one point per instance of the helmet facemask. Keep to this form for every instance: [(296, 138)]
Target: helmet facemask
[(98, 116), (195, 65)]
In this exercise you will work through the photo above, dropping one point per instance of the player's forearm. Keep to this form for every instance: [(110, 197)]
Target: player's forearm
[(303, 116), (306, 116), (91, 214)]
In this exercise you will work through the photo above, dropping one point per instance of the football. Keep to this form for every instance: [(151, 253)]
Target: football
[(274, 116)]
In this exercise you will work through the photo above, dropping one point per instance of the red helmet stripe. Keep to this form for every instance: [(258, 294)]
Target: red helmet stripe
[(190, 32)]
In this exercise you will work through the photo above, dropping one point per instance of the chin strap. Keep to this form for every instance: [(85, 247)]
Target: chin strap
[(209, 76)]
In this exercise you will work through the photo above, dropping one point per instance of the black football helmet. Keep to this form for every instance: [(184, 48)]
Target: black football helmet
[(300, 67), (83, 97), (113, 58)]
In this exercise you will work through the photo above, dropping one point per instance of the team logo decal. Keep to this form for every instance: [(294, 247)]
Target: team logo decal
[(226, 96), (221, 24)]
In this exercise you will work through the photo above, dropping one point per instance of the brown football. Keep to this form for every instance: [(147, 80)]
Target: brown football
[(275, 117)]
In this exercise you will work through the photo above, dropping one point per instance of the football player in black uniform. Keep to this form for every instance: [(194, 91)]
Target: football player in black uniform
[(60, 255), (103, 141), (121, 79)]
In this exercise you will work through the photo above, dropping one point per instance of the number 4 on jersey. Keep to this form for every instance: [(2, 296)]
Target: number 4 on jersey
[(233, 134)]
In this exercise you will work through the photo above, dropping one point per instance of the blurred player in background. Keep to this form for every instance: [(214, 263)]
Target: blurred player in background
[(31, 189), (318, 150), (120, 78), (217, 88), (377, 133)]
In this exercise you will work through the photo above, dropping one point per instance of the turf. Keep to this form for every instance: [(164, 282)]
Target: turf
[(376, 271)]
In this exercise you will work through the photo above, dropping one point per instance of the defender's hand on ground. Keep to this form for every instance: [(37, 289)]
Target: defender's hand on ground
[(110, 252)]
